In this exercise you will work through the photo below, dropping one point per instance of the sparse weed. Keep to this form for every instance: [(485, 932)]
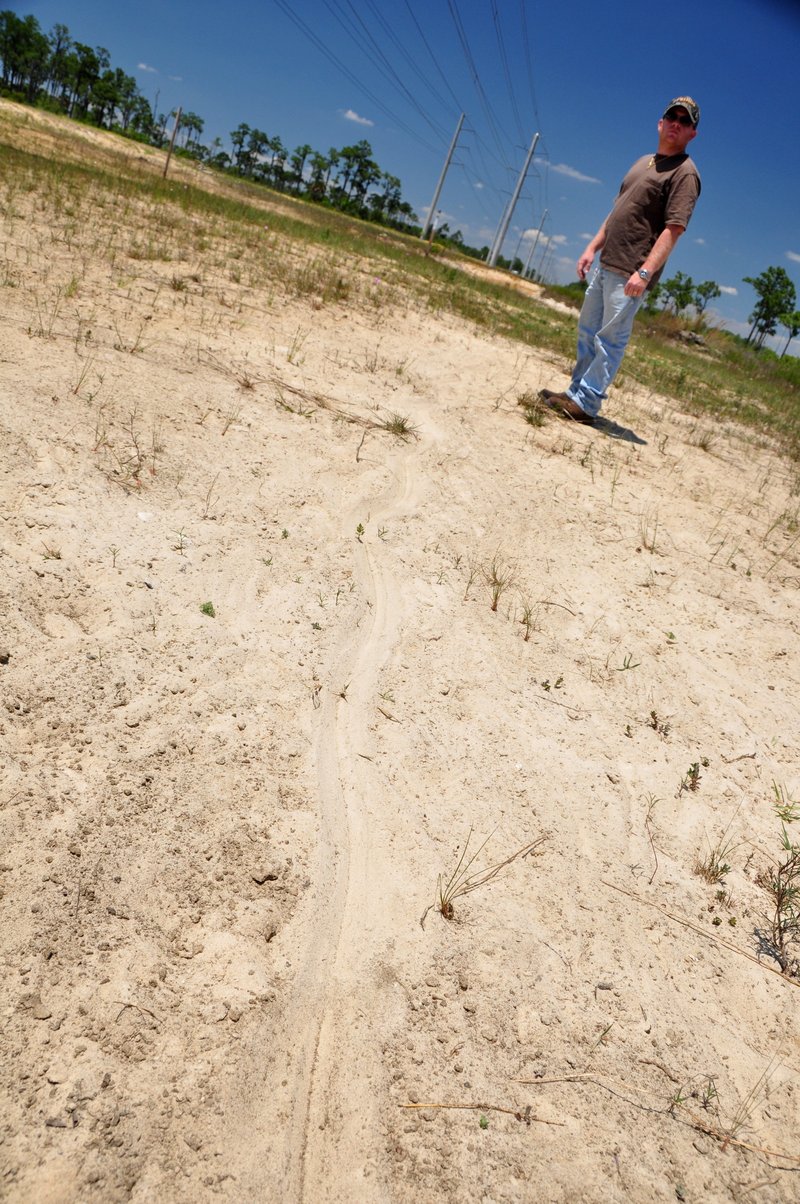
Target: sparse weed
[(462, 882), (702, 437), (400, 426), (132, 345), (786, 808), (781, 881), (46, 317), (747, 1106), (651, 801), (648, 530), (691, 782), (86, 368), (294, 354), (529, 619), (658, 725), (231, 415), (702, 1089), (210, 497), (628, 663), (283, 404), (714, 866), (372, 359), (534, 408), (473, 570), (499, 577)]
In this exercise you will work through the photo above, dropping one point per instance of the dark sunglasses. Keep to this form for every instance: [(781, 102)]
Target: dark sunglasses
[(681, 120)]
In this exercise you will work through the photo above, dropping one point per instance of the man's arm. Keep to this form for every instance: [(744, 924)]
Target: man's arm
[(659, 254), (587, 258)]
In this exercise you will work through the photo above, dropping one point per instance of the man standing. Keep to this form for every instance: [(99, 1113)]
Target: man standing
[(651, 212)]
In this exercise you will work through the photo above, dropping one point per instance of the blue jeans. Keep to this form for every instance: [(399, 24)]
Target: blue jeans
[(604, 329)]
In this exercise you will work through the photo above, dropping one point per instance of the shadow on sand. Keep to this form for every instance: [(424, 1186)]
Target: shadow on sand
[(604, 425), (614, 431)]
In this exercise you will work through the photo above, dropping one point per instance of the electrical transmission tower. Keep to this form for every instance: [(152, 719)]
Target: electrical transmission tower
[(505, 221), (426, 229)]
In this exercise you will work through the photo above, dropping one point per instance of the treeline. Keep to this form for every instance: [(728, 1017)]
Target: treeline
[(55, 72), (777, 298)]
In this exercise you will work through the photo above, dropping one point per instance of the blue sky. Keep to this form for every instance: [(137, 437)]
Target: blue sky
[(591, 78)]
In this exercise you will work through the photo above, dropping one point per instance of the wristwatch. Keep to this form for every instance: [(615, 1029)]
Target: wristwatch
[(643, 272)]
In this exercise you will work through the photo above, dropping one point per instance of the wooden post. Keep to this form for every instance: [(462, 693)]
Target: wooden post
[(172, 139)]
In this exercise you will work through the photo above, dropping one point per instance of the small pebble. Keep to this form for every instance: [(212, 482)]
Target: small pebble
[(267, 873)]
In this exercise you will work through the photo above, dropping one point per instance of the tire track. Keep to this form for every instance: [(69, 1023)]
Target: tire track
[(332, 1112)]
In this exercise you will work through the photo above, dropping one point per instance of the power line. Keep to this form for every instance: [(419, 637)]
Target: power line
[(337, 62), (526, 47), (409, 58), (476, 79), (373, 51), (506, 72), (433, 58)]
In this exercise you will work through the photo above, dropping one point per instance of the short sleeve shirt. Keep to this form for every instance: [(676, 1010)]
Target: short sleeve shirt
[(658, 191)]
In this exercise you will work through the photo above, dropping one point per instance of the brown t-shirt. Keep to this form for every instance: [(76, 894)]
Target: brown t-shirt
[(658, 191)]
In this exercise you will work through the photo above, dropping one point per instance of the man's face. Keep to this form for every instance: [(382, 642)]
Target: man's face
[(675, 130)]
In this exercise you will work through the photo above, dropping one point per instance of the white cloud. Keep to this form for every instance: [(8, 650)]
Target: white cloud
[(351, 115), (146, 67), (564, 170), (795, 258), (728, 290), (176, 79), (700, 242), (479, 185)]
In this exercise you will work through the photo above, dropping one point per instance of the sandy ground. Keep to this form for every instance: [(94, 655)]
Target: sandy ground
[(256, 700)]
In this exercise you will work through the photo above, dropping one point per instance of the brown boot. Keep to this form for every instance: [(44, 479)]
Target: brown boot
[(565, 407)]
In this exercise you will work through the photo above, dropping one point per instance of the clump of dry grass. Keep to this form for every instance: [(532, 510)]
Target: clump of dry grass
[(499, 576), (399, 425), (534, 409), (464, 880)]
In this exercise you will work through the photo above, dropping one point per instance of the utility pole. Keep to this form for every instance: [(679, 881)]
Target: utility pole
[(432, 211), (535, 243), (499, 237), (172, 139), (544, 266)]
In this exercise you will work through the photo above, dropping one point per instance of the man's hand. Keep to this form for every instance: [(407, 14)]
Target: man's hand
[(584, 263), (635, 286), (587, 258)]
